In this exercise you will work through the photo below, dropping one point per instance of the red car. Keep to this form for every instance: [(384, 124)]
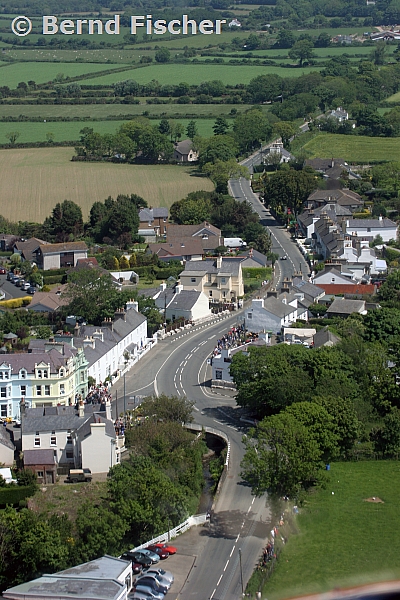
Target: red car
[(162, 552), (2, 271), (166, 547)]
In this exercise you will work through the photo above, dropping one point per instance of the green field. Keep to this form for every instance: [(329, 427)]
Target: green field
[(343, 539), (102, 111), (42, 72), (195, 74), (34, 180), (69, 131), (108, 55), (353, 148), (394, 98)]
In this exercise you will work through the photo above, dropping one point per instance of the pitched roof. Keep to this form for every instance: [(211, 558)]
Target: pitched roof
[(29, 360), (347, 288), (324, 337), (278, 308), (346, 307), (44, 420), (49, 300), (321, 164), (5, 438), (39, 457), (373, 223), (183, 147), (63, 247), (308, 289), (185, 300), (204, 228), (149, 214), (85, 428), (210, 266), (29, 247), (179, 247)]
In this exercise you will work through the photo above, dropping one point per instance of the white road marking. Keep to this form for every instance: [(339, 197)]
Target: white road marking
[(232, 551), (238, 536), (227, 563), (219, 580)]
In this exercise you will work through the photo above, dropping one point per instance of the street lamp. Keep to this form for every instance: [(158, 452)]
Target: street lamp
[(241, 570)]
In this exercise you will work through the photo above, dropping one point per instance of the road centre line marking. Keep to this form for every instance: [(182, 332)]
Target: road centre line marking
[(238, 536), (212, 337), (211, 597), (252, 502), (232, 551), (227, 563), (219, 580)]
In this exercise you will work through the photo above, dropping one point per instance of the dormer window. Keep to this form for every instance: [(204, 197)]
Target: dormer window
[(22, 374), (40, 374), (62, 372)]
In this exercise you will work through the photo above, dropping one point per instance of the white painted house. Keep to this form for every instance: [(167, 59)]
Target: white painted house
[(270, 314), (191, 305), (370, 228)]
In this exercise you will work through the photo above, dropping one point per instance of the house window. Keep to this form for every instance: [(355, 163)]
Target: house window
[(69, 455), (40, 474), (223, 279), (39, 374), (23, 374), (36, 443), (62, 372), (4, 375), (210, 293), (218, 374), (45, 374), (165, 219), (193, 279), (38, 390), (3, 392), (249, 315), (82, 376), (224, 294), (62, 388), (3, 410), (368, 228), (23, 390), (47, 390), (69, 439), (53, 440)]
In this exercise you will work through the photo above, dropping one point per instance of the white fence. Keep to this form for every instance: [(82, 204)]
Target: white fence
[(164, 538)]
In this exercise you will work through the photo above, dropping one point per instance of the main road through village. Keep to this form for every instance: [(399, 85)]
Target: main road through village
[(178, 366)]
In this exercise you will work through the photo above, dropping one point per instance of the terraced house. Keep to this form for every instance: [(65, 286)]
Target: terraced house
[(49, 374)]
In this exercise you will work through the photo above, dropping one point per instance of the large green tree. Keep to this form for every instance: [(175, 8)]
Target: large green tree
[(66, 220), (288, 189), (251, 128)]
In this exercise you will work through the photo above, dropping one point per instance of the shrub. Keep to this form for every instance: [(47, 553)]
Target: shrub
[(16, 302)]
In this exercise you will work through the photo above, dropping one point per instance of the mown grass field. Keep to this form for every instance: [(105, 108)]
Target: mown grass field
[(195, 74), (343, 539), (42, 72), (353, 148), (34, 180), (69, 131), (394, 98), (110, 55)]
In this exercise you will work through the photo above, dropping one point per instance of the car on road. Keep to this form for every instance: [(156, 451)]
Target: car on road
[(137, 557), (284, 257), (166, 575), (163, 554), (152, 582), (3, 271), (152, 555), (166, 547)]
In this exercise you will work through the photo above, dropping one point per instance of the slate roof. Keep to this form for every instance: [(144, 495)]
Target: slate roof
[(363, 223), (192, 230), (39, 457), (85, 428), (43, 420), (308, 289), (277, 307), (185, 300), (183, 147), (341, 196), (5, 439), (321, 164), (255, 255), (149, 214), (334, 272), (62, 247), (29, 360), (325, 337), (210, 266), (346, 307)]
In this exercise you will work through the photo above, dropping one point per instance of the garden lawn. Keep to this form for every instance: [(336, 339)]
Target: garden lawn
[(193, 74), (34, 180), (343, 539), (42, 72), (352, 148)]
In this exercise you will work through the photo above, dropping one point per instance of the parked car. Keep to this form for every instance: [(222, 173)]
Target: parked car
[(19, 282), (76, 475), (31, 290), (10, 275), (145, 594), (137, 557), (26, 286), (143, 579), (152, 555), (166, 575), (138, 596), (167, 547), (150, 592), (3, 271), (151, 582), (160, 551)]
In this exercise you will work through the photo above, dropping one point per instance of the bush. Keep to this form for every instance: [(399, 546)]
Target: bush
[(14, 494), (16, 302), (54, 279)]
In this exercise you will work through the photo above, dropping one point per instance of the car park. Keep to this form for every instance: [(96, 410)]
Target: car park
[(151, 582), (143, 595), (164, 584), (167, 547), (166, 575), (163, 554), (137, 557), (150, 592)]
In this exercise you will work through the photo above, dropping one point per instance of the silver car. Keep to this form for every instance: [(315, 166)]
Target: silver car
[(165, 575), (152, 555), (149, 592)]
